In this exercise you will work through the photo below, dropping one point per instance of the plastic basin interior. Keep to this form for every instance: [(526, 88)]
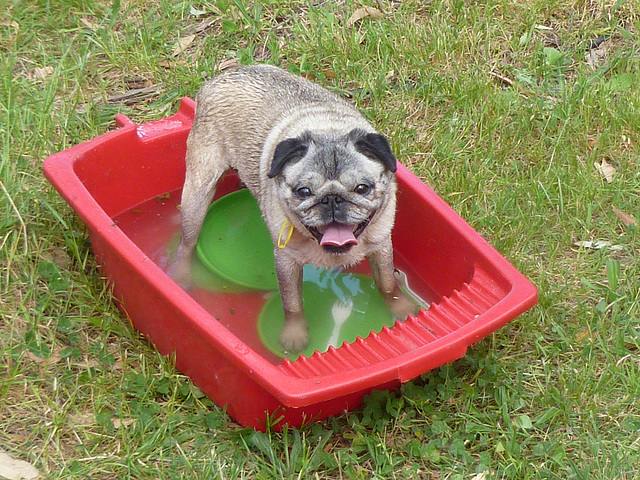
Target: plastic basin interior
[(472, 289)]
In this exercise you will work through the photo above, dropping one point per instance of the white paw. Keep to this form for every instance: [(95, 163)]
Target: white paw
[(401, 306), (294, 336)]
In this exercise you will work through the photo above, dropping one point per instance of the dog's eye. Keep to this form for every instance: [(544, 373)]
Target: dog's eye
[(303, 192), (362, 189)]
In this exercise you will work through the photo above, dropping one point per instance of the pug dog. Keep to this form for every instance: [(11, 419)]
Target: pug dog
[(323, 177)]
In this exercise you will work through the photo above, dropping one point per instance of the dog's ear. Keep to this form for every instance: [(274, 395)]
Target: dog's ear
[(287, 151), (374, 146)]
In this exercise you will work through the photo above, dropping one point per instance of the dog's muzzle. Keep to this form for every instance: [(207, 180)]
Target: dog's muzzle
[(338, 237)]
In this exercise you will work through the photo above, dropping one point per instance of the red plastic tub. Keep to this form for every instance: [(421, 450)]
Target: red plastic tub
[(472, 289)]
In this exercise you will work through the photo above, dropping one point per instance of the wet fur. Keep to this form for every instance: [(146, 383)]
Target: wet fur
[(280, 131)]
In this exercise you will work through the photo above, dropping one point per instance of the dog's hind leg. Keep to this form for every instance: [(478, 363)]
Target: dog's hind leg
[(204, 169)]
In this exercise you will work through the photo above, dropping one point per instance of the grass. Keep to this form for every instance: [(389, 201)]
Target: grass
[(498, 105)]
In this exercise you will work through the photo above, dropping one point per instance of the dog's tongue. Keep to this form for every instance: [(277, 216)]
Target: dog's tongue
[(338, 235)]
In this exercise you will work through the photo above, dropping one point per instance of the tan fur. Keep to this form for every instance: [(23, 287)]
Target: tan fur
[(240, 118)]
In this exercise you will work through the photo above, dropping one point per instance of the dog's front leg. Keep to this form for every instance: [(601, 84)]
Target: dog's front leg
[(382, 268), (294, 336)]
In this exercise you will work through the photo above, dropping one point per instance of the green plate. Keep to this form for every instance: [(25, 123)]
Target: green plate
[(328, 295), (235, 243)]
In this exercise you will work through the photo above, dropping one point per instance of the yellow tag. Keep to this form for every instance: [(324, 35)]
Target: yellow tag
[(281, 243)]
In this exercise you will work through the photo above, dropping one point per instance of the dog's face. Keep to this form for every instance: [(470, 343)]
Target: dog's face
[(333, 183)]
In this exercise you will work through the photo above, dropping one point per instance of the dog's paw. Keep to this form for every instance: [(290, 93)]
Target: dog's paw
[(401, 306), (294, 336), (179, 269), (181, 274)]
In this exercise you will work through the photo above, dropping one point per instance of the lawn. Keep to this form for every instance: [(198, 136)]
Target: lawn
[(523, 116)]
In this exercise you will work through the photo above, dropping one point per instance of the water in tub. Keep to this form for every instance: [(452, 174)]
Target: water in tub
[(339, 305)]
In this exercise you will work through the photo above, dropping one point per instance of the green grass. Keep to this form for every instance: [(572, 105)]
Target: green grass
[(492, 103)]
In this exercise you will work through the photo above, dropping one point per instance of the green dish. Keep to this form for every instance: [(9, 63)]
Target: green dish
[(235, 243), (328, 294)]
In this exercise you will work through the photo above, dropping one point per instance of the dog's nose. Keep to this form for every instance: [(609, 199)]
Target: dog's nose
[(333, 200)]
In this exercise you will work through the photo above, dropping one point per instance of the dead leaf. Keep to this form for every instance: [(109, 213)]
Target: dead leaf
[(117, 366), (596, 56), (363, 12), (58, 256), (89, 24), (480, 476), (627, 219), (82, 419), (583, 335), (328, 73), (17, 437), (14, 25), (202, 26), (14, 469), (10, 23), (182, 44), (195, 12), (117, 423), (41, 73), (504, 80), (55, 357), (134, 96), (605, 169), (228, 64), (597, 245)]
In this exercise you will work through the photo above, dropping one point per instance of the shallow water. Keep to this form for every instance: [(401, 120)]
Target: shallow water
[(154, 226)]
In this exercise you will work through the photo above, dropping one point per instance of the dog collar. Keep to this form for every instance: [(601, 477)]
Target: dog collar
[(282, 242)]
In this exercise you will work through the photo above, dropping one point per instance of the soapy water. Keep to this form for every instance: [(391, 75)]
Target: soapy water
[(154, 226)]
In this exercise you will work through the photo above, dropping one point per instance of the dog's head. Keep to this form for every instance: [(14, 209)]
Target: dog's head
[(334, 183)]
